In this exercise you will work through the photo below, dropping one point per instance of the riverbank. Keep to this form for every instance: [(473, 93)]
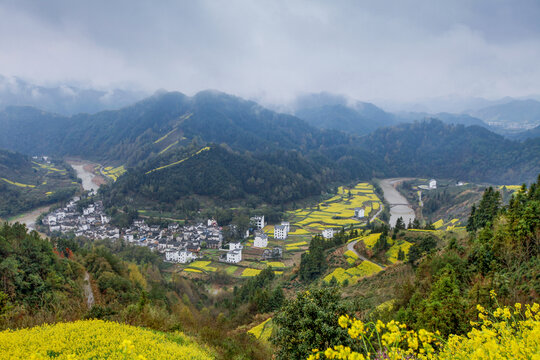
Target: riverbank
[(399, 206), (85, 172)]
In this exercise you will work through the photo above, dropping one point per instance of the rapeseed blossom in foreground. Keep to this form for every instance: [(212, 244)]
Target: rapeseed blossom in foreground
[(507, 333), (97, 339)]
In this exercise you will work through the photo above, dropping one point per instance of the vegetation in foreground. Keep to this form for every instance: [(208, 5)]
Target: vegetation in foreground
[(98, 339)]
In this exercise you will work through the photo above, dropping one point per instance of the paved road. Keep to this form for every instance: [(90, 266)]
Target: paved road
[(350, 246), (88, 293)]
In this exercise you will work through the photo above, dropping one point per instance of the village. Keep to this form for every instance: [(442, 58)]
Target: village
[(178, 244)]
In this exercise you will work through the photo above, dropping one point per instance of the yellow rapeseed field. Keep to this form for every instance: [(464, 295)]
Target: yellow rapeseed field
[(97, 339)]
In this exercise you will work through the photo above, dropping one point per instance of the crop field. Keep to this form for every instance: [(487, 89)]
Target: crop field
[(18, 184), (179, 161), (202, 265), (97, 339), (249, 272), (392, 253), (113, 173), (366, 268), (275, 264), (337, 211), (263, 330)]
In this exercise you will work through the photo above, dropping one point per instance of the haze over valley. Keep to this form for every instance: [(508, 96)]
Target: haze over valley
[(269, 180)]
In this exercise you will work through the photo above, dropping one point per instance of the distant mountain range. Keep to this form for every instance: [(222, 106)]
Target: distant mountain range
[(65, 100), (271, 157), (516, 115)]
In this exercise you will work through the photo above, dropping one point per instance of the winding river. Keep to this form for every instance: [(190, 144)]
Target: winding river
[(89, 182), (87, 177), (399, 206)]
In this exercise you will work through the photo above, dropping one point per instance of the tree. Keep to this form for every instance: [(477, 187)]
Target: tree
[(309, 322), (313, 263), (400, 224)]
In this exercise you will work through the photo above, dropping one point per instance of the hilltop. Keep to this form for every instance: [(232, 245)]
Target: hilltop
[(27, 183)]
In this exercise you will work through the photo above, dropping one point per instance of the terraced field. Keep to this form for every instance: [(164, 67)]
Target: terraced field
[(335, 212)]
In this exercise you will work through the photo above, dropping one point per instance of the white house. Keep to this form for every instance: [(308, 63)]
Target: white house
[(235, 246), (185, 256), (432, 184), (234, 256), (261, 240), (328, 233), (258, 221), (359, 212), (172, 256), (280, 232)]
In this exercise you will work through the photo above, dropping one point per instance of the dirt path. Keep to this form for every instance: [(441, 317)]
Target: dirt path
[(88, 293), (350, 246)]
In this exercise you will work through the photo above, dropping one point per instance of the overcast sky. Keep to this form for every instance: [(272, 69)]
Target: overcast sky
[(397, 50)]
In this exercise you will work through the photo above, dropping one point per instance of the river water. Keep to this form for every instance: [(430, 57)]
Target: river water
[(399, 206), (85, 176), (29, 218)]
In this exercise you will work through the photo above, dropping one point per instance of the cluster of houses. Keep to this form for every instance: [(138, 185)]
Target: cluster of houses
[(92, 222), (179, 244)]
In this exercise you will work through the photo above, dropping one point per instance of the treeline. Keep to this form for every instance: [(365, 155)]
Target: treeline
[(451, 277), (314, 263), (447, 151), (500, 254), (43, 281)]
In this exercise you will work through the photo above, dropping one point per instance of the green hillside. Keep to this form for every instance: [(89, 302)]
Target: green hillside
[(26, 184)]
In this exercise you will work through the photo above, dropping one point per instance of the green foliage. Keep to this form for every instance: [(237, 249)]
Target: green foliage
[(455, 151), (37, 186), (501, 255), (31, 273), (487, 210), (258, 292), (309, 322)]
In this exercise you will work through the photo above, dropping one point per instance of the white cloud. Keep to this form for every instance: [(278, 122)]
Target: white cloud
[(275, 49)]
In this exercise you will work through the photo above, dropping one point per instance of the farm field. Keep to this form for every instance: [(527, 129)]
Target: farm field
[(353, 274), (335, 212)]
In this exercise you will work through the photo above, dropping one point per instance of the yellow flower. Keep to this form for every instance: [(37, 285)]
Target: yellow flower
[(343, 321), (493, 294)]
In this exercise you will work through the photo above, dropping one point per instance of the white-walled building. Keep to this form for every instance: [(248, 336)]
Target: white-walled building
[(234, 256), (258, 221), (359, 212), (182, 256), (261, 240), (328, 233), (235, 246), (280, 232), (432, 184), (287, 225)]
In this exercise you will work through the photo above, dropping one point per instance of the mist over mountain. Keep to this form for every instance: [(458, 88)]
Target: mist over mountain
[(515, 115), (63, 99), (448, 118), (157, 126)]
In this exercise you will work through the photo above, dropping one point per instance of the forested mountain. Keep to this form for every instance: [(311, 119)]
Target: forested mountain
[(330, 111), (527, 134), (277, 157), (26, 184), (347, 119), (447, 118), (514, 115), (63, 99), (137, 132), (455, 151)]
